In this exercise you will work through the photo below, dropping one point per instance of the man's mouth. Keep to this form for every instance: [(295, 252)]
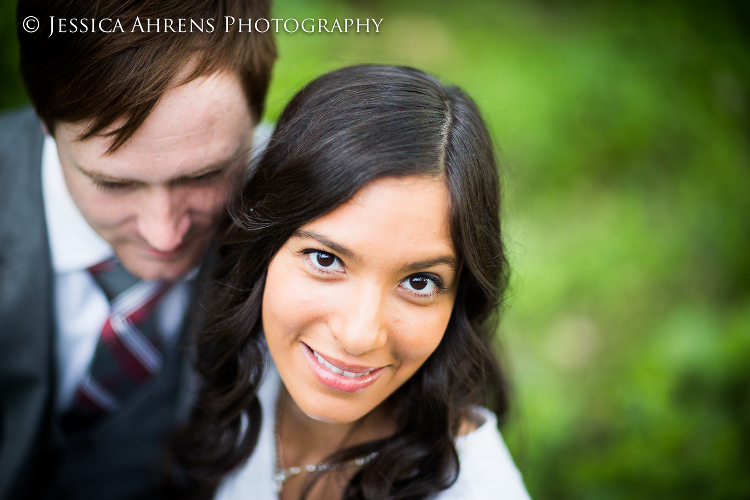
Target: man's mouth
[(169, 254)]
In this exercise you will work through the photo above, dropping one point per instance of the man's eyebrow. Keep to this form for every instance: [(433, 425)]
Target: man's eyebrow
[(96, 176), (217, 166), (299, 233)]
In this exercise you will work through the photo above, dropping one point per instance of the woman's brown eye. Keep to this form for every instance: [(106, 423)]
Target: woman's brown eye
[(421, 285), (418, 283), (324, 262), (325, 259)]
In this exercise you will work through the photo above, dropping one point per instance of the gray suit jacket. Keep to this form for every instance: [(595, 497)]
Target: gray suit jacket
[(119, 457)]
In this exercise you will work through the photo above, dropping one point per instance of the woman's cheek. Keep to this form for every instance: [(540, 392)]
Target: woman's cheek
[(420, 334), (294, 303), (280, 319)]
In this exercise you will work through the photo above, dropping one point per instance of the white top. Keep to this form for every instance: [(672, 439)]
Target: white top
[(81, 308), (487, 470)]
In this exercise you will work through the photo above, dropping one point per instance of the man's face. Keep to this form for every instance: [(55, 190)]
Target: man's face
[(156, 199)]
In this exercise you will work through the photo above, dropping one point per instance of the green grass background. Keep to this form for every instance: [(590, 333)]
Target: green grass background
[(625, 132)]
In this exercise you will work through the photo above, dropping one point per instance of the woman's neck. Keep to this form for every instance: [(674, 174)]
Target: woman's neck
[(304, 440)]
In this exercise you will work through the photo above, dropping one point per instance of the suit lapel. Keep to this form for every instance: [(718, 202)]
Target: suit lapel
[(26, 308)]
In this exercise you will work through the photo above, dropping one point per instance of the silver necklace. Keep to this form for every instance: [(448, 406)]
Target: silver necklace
[(281, 474)]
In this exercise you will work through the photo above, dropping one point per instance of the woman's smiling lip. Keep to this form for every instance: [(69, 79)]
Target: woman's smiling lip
[(340, 376)]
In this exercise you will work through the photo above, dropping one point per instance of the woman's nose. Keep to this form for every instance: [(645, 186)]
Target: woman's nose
[(361, 325)]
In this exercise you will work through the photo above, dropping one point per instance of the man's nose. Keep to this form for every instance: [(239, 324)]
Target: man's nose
[(162, 221), (362, 323)]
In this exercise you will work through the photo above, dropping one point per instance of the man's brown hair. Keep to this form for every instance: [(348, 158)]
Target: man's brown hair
[(119, 77)]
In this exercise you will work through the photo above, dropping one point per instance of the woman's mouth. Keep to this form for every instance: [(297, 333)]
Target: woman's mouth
[(339, 371), (340, 376)]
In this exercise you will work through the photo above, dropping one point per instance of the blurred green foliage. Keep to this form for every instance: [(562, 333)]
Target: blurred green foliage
[(625, 129)]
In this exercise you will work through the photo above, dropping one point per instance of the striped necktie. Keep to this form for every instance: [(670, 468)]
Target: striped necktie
[(128, 352)]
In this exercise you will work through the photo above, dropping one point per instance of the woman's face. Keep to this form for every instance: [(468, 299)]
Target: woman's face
[(357, 300)]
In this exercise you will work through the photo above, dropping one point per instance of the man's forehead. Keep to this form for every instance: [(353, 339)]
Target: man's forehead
[(165, 167), (206, 105), (197, 124)]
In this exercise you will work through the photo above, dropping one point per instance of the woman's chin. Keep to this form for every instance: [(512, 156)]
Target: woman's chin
[(332, 412), (327, 419)]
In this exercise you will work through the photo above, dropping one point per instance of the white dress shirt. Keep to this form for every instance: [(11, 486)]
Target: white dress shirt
[(487, 470), (81, 308)]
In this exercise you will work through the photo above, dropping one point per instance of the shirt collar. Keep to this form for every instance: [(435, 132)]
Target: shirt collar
[(74, 245)]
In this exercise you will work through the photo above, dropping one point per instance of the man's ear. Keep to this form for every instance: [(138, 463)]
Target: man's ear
[(45, 129)]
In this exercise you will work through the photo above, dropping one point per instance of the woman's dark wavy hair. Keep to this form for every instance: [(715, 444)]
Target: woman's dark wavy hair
[(339, 133)]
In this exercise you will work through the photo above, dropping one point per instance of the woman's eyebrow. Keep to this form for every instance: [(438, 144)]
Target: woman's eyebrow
[(446, 259), (299, 233), (340, 249)]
